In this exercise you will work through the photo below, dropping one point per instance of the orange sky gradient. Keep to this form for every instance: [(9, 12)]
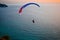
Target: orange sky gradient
[(24, 1), (44, 1)]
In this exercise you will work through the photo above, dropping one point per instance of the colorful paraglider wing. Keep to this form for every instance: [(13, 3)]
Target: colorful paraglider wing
[(30, 4), (20, 10), (27, 5)]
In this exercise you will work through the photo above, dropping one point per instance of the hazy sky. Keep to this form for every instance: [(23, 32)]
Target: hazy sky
[(24, 1)]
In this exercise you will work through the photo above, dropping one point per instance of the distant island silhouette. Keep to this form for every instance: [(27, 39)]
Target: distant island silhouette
[(3, 5)]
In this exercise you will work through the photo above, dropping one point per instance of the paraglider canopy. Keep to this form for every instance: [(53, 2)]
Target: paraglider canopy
[(20, 10)]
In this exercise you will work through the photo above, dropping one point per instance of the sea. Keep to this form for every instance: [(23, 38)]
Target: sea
[(19, 26)]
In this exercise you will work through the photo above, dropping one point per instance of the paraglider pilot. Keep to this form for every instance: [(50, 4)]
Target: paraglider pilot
[(33, 21)]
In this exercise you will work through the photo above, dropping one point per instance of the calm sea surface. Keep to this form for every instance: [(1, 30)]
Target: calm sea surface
[(20, 27)]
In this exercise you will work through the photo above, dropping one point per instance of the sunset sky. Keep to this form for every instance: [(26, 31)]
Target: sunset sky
[(24, 1)]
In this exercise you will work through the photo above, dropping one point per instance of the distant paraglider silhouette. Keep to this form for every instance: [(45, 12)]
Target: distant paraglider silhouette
[(20, 10)]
